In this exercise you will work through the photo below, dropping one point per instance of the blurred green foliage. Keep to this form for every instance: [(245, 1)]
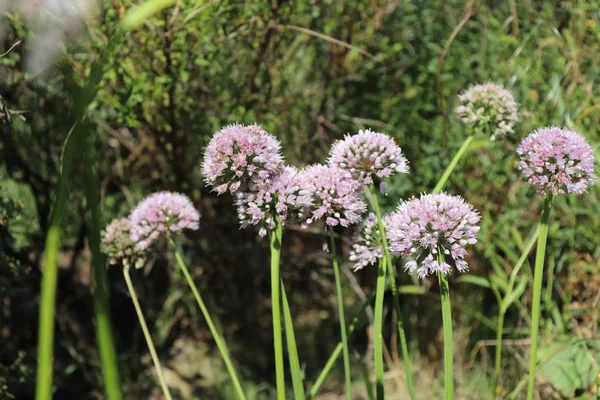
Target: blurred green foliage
[(309, 72)]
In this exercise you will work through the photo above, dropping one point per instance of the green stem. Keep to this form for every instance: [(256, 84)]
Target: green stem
[(147, 336), (338, 349), (292, 348), (104, 335), (340, 299), (452, 164), (73, 142), (50, 272), (275, 244), (504, 306), (498, 357), (537, 292), (213, 330), (447, 322), (378, 330), (395, 296)]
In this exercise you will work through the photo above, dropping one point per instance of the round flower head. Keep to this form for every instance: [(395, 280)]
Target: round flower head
[(283, 197), (368, 246), (557, 160), (368, 153), (162, 212), (239, 155), (432, 229), (118, 245), (335, 195), (488, 106)]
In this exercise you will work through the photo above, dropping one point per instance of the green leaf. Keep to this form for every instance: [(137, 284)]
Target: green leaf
[(475, 280), (297, 379), (568, 366)]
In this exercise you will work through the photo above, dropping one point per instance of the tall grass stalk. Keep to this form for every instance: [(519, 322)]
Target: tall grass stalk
[(275, 245), (290, 337), (395, 296), (338, 349), (213, 330), (447, 323), (74, 141), (506, 302), (104, 332), (537, 292), (342, 316), (461, 151), (147, 336)]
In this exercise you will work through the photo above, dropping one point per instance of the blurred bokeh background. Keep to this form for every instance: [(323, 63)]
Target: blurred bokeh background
[(309, 71)]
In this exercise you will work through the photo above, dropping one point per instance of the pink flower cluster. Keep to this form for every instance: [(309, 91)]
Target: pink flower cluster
[(159, 213), (557, 161), (488, 106), (430, 229), (283, 197), (240, 155), (118, 245), (336, 195), (368, 154), (367, 248)]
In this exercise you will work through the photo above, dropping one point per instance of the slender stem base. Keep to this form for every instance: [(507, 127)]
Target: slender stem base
[(537, 292), (497, 361), (275, 244), (342, 316), (461, 151), (378, 330), (290, 337), (447, 322), (104, 332), (395, 296), (213, 330), (147, 336)]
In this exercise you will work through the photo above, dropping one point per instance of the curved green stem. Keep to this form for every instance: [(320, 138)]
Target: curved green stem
[(338, 349), (447, 322), (290, 337), (147, 335), (537, 292), (452, 164), (213, 330), (504, 306), (378, 330), (342, 316), (275, 244), (395, 296)]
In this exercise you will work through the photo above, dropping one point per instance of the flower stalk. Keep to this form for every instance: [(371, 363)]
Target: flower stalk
[(147, 336), (447, 323), (396, 298), (213, 330), (537, 291), (342, 317), (275, 244)]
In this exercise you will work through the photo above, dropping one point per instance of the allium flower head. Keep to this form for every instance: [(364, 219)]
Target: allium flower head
[(284, 197), (430, 228), (118, 245), (368, 246), (557, 160), (162, 212), (368, 154), (335, 195), (240, 155), (488, 106)]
